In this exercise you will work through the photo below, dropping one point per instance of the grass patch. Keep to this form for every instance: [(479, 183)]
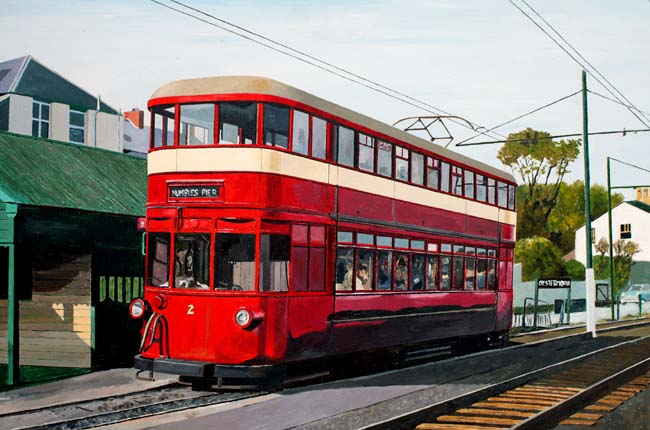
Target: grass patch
[(32, 375)]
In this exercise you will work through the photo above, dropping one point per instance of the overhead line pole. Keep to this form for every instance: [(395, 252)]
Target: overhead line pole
[(611, 235), (589, 271)]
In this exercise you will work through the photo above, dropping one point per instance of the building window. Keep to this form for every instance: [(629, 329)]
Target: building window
[(40, 119), (626, 231), (77, 125)]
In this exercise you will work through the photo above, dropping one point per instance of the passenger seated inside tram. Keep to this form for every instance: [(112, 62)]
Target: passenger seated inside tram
[(383, 272), (363, 283), (401, 273), (344, 275)]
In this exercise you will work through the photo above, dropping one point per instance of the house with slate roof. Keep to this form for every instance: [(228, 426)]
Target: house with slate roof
[(36, 101), (70, 254)]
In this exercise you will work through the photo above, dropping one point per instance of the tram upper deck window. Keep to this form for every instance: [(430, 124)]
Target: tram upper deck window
[(275, 250), (491, 191), (433, 173), (401, 163), (385, 159), (511, 197), (276, 125), (192, 261), (344, 138), (196, 124), (234, 262), (163, 125), (366, 152), (318, 138), (417, 168), (444, 176), (481, 188), (457, 180), (237, 122), (300, 134), (158, 259), (469, 184), (502, 194)]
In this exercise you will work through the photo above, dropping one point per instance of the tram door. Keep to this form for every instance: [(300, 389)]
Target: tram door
[(310, 302)]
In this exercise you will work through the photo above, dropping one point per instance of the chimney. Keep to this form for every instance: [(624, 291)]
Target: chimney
[(136, 116)]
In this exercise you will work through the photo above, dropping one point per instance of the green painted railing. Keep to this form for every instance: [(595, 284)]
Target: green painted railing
[(120, 289)]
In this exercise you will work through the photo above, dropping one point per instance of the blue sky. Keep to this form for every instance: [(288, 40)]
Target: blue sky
[(482, 60)]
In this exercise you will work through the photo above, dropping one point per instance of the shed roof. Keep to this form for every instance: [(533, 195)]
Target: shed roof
[(41, 172)]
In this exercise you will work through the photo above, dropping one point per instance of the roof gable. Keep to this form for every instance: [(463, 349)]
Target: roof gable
[(28, 77), (639, 205), (41, 172), (9, 73)]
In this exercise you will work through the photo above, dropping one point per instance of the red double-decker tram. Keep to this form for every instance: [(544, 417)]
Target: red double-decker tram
[(283, 228)]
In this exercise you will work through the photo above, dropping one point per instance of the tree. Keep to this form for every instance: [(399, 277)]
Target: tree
[(569, 212), (541, 163), (575, 270), (539, 258), (624, 252)]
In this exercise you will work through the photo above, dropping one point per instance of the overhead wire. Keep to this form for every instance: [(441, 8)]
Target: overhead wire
[(380, 88), (461, 143), (612, 100), (629, 164), (594, 68), (574, 59), (594, 133)]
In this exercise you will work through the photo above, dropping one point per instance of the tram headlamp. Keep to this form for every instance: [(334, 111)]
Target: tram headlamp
[(243, 318), (137, 308)]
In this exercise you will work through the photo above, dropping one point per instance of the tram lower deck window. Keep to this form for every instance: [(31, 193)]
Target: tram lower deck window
[(192, 261), (158, 256), (234, 262)]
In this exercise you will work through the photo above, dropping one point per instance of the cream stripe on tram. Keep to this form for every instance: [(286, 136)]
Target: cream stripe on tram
[(265, 160)]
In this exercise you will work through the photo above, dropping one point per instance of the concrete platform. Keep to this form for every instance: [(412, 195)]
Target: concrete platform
[(94, 385)]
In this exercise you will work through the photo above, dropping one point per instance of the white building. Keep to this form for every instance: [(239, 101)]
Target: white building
[(37, 101), (630, 221)]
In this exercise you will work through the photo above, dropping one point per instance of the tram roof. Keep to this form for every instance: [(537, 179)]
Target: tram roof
[(266, 86)]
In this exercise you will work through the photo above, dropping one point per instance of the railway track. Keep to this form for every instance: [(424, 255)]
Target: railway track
[(117, 409), (575, 392)]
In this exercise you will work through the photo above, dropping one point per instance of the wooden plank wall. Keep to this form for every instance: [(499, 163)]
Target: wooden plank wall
[(55, 325)]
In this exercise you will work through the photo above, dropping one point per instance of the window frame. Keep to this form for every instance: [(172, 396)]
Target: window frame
[(76, 127)]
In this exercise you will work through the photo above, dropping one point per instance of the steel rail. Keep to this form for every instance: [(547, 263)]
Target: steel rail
[(412, 418)]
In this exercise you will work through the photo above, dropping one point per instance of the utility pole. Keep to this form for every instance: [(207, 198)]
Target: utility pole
[(589, 271), (611, 235)]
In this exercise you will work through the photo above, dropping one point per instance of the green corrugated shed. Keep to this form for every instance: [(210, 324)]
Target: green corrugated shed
[(40, 172)]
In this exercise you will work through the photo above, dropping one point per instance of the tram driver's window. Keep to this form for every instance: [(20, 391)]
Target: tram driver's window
[(196, 124), (163, 118), (275, 250), (158, 259), (234, 262), (192, 261), (237, 122), (276, 125)]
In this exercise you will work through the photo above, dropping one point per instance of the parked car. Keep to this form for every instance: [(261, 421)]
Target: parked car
[(632, 293)]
